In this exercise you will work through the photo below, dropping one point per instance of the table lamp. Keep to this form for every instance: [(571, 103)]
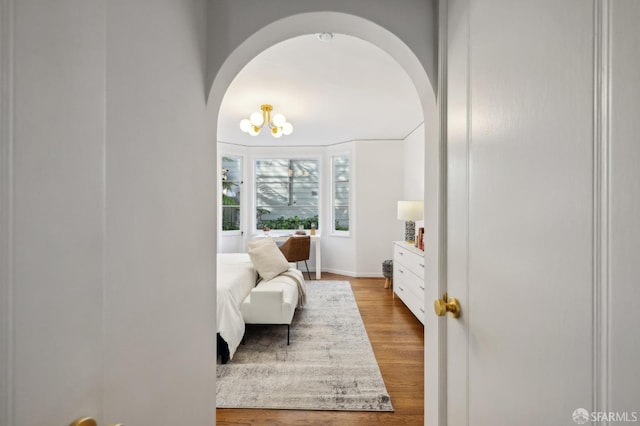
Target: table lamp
[(410, 211)]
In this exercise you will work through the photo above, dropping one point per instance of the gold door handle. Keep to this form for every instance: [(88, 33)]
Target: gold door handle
[(88, 421), (84, 421), (444, 305)]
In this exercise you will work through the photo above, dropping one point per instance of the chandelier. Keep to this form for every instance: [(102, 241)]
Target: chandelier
[(278, 125)]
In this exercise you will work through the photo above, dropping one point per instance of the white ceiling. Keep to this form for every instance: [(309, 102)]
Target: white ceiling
[(331, 91)]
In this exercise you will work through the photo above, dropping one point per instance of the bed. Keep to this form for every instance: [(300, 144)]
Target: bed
[(236, 276)]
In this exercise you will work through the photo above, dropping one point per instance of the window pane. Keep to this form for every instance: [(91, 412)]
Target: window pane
[(231, 186), (287, 193), (230, 218), (341, 195), (341, 218)]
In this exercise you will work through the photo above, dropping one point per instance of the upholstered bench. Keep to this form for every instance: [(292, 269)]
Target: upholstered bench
[(273, 302)]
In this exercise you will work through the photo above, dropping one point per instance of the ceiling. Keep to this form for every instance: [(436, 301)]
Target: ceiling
[(331, 91)]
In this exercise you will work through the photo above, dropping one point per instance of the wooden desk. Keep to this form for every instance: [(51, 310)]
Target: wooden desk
[(283, 236)]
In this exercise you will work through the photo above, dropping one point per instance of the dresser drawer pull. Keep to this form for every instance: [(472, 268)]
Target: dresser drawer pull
[(422, 309), (401, 271), (422, 287), (421, 265)]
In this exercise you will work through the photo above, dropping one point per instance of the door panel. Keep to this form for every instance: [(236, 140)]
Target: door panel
[(521, 186)]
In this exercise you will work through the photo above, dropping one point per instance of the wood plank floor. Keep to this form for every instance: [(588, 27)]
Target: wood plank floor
[(397, 338)]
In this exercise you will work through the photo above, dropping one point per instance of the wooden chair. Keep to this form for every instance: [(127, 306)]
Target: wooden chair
[(297, 249)]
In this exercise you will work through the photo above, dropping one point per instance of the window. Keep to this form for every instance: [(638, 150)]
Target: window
[(231, 185), (341, 193), (287, 193)]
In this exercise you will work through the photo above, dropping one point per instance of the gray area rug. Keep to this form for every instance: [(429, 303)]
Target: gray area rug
[(329, 364)]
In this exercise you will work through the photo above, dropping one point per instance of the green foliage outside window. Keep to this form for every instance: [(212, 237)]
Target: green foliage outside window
[(231, 188), (289, 222)]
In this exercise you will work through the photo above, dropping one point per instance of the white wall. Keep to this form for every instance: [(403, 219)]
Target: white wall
[(160, 216), (379, 181), (232, 21), (107, 174), (57, 206), (414, 164)]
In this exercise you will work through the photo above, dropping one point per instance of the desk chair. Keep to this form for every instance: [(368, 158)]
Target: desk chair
[(297, 249)]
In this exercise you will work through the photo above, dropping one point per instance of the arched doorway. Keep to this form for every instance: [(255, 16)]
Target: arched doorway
[(306, 23)]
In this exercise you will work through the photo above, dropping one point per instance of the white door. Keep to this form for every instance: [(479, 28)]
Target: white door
[(541, 211)]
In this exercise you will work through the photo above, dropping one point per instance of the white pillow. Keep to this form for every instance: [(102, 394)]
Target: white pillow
[(267, 258), (260, 241)]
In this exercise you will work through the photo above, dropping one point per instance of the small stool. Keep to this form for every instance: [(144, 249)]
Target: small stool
[(387, 272)]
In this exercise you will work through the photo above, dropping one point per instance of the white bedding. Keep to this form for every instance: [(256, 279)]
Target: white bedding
[(236, 277)]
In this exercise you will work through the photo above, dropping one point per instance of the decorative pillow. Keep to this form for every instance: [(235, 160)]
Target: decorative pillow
[(260, 241), (267, 258)]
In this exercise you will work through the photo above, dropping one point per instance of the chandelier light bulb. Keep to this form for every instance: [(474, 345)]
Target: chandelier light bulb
[(254, 130), (287, 129), (257, 119), (245, 125), (276, 132), (279, 120)]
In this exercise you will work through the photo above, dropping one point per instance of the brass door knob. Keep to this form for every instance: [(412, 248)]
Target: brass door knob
[(84, 421), (88, 421), (444, 305)]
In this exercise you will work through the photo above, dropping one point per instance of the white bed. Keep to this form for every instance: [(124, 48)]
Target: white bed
[(236, 276)]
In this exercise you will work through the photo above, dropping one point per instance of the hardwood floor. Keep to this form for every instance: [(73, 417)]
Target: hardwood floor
[(397, 338)]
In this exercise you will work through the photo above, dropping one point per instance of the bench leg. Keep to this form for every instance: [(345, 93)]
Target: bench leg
[(288, 327)]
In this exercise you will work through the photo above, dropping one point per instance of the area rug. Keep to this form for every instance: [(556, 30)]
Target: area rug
[(329, 364)]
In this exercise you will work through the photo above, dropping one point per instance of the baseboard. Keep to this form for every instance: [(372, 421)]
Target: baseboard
[(354, 274)]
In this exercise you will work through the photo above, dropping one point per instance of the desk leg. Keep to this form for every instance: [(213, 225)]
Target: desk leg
[(318, 260)]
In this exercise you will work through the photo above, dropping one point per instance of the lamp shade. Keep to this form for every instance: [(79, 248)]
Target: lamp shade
[(410, 210)]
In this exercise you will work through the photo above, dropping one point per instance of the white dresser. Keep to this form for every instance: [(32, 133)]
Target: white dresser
[(408, 276)]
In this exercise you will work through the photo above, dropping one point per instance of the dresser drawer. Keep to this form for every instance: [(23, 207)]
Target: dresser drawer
[(405, 289), (412, 261)]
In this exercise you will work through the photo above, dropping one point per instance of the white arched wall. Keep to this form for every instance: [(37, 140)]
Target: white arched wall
[(312, 22)]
